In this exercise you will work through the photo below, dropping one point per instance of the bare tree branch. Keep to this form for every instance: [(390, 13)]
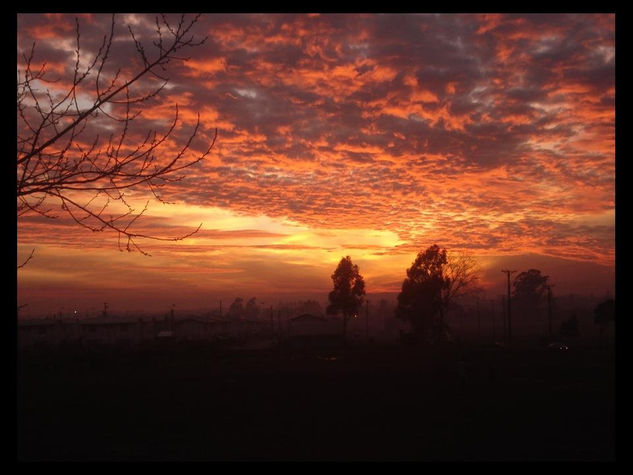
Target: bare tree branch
[(27, 259), (461, 274), (57, 159)]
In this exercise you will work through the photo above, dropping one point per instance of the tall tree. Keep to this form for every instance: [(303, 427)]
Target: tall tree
[(434, 280), (78, 146), (349, 289), (529, 291)]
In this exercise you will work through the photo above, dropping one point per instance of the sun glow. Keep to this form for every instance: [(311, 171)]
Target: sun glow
[(365, 135)]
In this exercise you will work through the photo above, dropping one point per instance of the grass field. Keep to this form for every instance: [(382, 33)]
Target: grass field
[(382, 403)]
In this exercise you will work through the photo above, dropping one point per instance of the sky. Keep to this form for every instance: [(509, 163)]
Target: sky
[(372, 136)]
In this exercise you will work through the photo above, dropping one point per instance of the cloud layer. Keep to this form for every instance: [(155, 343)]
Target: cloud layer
[(491, 134)]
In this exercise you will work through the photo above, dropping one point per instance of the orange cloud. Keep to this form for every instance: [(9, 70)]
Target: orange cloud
[(376, 135)]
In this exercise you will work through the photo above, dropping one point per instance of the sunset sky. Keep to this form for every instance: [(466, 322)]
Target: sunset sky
[(373, 136)]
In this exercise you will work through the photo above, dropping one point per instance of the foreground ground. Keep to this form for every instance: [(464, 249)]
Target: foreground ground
[(372, 404)]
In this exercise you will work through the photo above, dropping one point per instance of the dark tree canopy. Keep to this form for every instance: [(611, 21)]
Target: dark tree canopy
[(433, 281), (529, 291), (349, 288), (236, 310), (311, 307), (419, 301), (251, 311)]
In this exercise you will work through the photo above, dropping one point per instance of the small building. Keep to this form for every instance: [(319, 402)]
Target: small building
[(308, 330), (97, 331), (129, 331), (190, 329), (111, 331)]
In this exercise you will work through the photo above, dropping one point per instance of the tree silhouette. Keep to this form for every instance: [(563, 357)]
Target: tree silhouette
[(236, 310), (433, 281), (78, 147), (604, 313), (251, 311), (347, 296), (311, 307), (529, 290)]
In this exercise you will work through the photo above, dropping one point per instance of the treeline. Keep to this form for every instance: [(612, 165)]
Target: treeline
[(435, 279)]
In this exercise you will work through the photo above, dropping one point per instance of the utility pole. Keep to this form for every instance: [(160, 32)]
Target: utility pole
[(492, 314), (508, 273), (478, 318), (504, 319), (367, 320), (549, 310)]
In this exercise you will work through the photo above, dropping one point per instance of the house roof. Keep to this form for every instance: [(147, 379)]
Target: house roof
[(187, 320), (307, 317)]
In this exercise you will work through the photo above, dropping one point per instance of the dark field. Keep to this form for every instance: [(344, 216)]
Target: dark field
[(361, 404)]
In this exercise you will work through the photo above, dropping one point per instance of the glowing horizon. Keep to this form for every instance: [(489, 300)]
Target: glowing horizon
[(373, 136)]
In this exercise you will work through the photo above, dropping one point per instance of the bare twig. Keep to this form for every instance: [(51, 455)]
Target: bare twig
[(27, 259), (54, 159)]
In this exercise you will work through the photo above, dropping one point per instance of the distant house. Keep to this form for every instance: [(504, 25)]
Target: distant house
[(87, 332), (165, 335), (308, 330), (112, 331), (190, 329), (308, 324), (121, 331)]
